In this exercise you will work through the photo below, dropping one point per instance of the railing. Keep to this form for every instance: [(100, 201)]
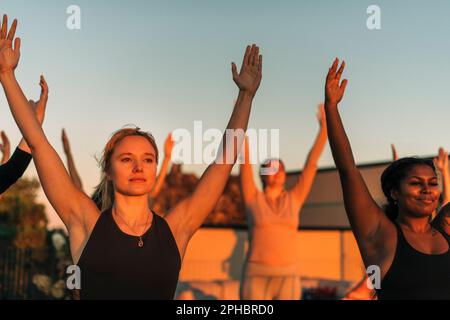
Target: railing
[(18, 267)]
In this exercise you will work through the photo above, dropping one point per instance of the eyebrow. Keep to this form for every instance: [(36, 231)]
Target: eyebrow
[(421, 178), (130, 154)]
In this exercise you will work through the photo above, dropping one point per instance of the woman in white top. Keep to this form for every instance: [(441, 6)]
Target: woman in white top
[(273, 220)]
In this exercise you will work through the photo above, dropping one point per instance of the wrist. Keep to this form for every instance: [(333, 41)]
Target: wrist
[(247, 94), (331, 104), (6, 75)]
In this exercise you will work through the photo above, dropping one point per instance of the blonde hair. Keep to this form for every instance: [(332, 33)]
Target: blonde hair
[(103, 195)]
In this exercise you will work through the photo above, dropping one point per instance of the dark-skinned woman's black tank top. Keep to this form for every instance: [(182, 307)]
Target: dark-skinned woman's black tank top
[(114, 267), (415, 275)]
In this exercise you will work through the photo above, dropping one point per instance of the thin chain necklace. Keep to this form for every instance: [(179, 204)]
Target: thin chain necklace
[(140, 242)]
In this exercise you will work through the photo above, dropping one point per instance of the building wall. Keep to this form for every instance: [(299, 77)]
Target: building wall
[(217, 256)]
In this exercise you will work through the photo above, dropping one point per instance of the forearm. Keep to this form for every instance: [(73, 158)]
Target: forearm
[(446, 186), (235, 132), (317, 149), (161, 178), (340, 146), (23, 145), (213, 181), (11, 171), (21, 110)]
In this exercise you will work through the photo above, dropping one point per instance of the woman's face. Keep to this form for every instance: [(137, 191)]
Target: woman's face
[(133, 166), (419, 193), (276, 176)]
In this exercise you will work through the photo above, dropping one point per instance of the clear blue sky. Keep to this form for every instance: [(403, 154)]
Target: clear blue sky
[(164, 64)]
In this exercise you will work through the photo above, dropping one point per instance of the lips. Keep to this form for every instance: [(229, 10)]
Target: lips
[(138, 180), (427, 200)]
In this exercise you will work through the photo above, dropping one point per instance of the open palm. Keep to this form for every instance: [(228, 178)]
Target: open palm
[(249, 78), (441, 161), (9, 56), (334, 89)]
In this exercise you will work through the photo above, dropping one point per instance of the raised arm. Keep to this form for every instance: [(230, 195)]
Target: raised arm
[(305, 181), (168, 147), (394, 153), (64, 196), (248, 186), (70, 162), (5, 148), (441, 163), (367, 219), (189, 215), (442, 219), (15, 167)]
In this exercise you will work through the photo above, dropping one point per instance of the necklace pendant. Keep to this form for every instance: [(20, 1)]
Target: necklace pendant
[(141, 243)]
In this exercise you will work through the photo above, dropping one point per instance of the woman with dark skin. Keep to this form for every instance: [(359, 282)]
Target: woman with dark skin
[(362, 290), (412, 256), (127, 252)]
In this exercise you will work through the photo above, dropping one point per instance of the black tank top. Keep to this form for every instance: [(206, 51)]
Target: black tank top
[(113, 266), (416, 275)]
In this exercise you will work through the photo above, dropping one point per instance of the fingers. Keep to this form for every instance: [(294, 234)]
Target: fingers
[(4, 27), (331, 71), (334, 66), (340, 71), (17, 43), (260, 60), (343, 85), (255, 56), (4, 137), (12, 31), (234, 70), (246, 55), (44, 87)]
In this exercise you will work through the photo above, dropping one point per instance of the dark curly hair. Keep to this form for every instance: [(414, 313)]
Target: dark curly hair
[(393, 175)]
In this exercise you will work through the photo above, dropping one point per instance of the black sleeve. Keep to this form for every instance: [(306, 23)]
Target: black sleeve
[(12, 170)]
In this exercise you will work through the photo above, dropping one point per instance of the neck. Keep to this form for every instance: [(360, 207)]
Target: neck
[(418, 225), (273, 192), (134, 210)]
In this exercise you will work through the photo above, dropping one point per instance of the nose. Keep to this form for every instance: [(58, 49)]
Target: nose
[(137, 166), (426, 189)]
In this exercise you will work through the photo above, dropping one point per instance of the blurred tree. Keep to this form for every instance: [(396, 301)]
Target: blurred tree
[(23, 221)]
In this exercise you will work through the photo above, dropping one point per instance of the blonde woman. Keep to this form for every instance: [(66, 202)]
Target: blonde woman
[(126, 251)]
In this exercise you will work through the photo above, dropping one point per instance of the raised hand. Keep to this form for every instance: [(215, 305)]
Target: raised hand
[(5, 148), (9, 56), (249, 78), (334, 88), (394, 153), (441, 161), (65, 142), (321, 116), (168, 146), (40, 106)]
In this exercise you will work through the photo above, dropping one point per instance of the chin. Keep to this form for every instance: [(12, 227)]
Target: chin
[(136, 192)]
